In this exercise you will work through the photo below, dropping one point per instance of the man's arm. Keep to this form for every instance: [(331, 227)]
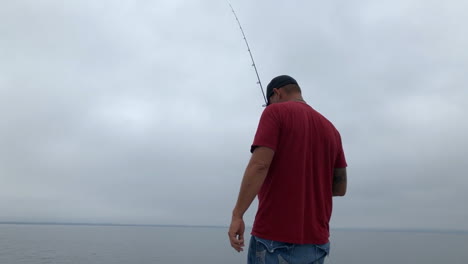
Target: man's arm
[(339, 182), (254, 176)]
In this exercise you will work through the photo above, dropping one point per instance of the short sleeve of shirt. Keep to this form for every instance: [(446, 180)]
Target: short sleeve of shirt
[(340, 161), (268, 129)]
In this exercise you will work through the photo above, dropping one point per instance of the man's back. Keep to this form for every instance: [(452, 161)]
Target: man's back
[(295, 200)]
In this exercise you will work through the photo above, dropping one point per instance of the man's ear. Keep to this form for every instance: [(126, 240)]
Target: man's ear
[(276, 90), (280, 94)]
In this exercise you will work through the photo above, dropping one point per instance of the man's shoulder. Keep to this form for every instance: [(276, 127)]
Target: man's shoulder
[(326, 122), (274, 109), (322, 117)]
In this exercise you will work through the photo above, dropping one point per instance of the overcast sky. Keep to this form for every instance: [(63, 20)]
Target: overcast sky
[(143, 112)]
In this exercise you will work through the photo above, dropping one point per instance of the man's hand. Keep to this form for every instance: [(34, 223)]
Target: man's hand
[(254, 175), (236, 233)]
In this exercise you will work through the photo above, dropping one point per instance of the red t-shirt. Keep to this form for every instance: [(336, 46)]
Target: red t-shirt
[(295, 200)]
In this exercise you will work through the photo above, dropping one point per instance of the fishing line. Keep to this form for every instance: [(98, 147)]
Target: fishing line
[(251, 56)]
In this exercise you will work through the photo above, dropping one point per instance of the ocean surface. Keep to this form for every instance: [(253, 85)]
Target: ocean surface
[(73, 244)]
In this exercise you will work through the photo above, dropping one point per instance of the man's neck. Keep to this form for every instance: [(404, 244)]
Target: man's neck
[(297, 98)]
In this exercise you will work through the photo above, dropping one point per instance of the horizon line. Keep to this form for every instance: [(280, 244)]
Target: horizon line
[(377, 229)]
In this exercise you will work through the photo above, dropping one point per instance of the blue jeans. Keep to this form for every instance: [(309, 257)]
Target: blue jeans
[(263, 251)]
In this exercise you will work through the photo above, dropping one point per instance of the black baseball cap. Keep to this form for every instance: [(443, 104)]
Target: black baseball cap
[(278, 82)]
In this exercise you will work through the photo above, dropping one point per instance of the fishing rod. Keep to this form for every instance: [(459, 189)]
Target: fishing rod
[(251, 56)]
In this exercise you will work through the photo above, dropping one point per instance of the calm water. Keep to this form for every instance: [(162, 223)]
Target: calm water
[(117, 245)]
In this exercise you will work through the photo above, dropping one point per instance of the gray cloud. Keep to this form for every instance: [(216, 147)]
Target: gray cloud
[(143, 112)]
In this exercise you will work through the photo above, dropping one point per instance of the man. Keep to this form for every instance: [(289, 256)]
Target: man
[(297, 165)]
